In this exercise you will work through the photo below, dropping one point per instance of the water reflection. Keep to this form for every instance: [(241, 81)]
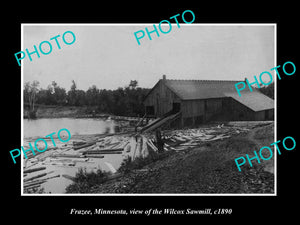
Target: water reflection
[(43, 127)]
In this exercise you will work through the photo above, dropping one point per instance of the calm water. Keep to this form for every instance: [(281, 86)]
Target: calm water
[(43, 127)]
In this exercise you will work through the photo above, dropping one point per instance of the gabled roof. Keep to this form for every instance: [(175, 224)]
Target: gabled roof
[(200, 89), (206, 89)]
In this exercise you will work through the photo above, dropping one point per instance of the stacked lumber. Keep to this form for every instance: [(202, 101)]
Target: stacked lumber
[(80, 153), (178, 140)]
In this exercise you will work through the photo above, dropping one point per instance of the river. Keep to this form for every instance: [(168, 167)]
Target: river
[(42, 127)]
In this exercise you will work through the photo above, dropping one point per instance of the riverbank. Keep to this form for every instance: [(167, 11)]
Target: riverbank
[(126, 123), (50, 111), (207, 168)]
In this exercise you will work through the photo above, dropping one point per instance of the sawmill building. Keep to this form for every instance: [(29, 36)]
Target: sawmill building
[(200, 101)]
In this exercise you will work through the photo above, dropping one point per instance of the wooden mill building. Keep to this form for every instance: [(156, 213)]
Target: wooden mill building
[(200, 101)]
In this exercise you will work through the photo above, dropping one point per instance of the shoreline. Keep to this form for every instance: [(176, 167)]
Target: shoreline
[(52, 111)]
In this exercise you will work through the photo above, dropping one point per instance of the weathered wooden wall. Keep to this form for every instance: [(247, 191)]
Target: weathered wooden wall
[(199, 111), (237, 111), (264, 115), (192, 108), (162, 98)]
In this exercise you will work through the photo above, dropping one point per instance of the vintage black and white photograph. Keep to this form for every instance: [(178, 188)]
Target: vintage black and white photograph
[(129, 109)]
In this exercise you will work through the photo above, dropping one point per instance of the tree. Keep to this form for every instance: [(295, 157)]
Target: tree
[(53, 95), (59, 94), (105, 101), (126, 101), (72, 94), (92, 96), (30, 93), (268, 90), (119, 104), (80, 99), (133, 84), (45, 96)]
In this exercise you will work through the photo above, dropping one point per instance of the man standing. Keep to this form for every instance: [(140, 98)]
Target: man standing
[(159, 141)]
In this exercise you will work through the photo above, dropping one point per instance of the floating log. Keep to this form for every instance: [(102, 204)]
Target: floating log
[(37, 176), (33, 164), (40, 181), (80, 160), (34, 169), (31, 187), (113, 152), (84, 145), (68, 156), (95, 156), (104, 151), (45, 155), (34, 183), (79, 142), (68, 177), (69, 160), (59, 160), (48, 178), (30, 154), (63, 163), (112, 145)]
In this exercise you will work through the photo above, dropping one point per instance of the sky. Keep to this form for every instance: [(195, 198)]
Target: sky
[(108, 55)]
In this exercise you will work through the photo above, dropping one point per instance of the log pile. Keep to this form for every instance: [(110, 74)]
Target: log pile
[(93, 150), (178, 140), (83, 151)]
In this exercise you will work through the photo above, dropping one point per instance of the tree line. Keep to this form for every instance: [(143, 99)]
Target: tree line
[(126, 101), (267, 90)]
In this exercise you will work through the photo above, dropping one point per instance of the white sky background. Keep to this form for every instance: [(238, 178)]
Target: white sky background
[(108, 56)]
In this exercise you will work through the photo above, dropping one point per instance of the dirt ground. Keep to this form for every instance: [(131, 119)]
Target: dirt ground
[(209, 168)]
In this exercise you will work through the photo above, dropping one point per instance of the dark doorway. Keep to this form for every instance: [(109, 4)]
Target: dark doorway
[(176, 107), (150, 110), (199, 120)]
